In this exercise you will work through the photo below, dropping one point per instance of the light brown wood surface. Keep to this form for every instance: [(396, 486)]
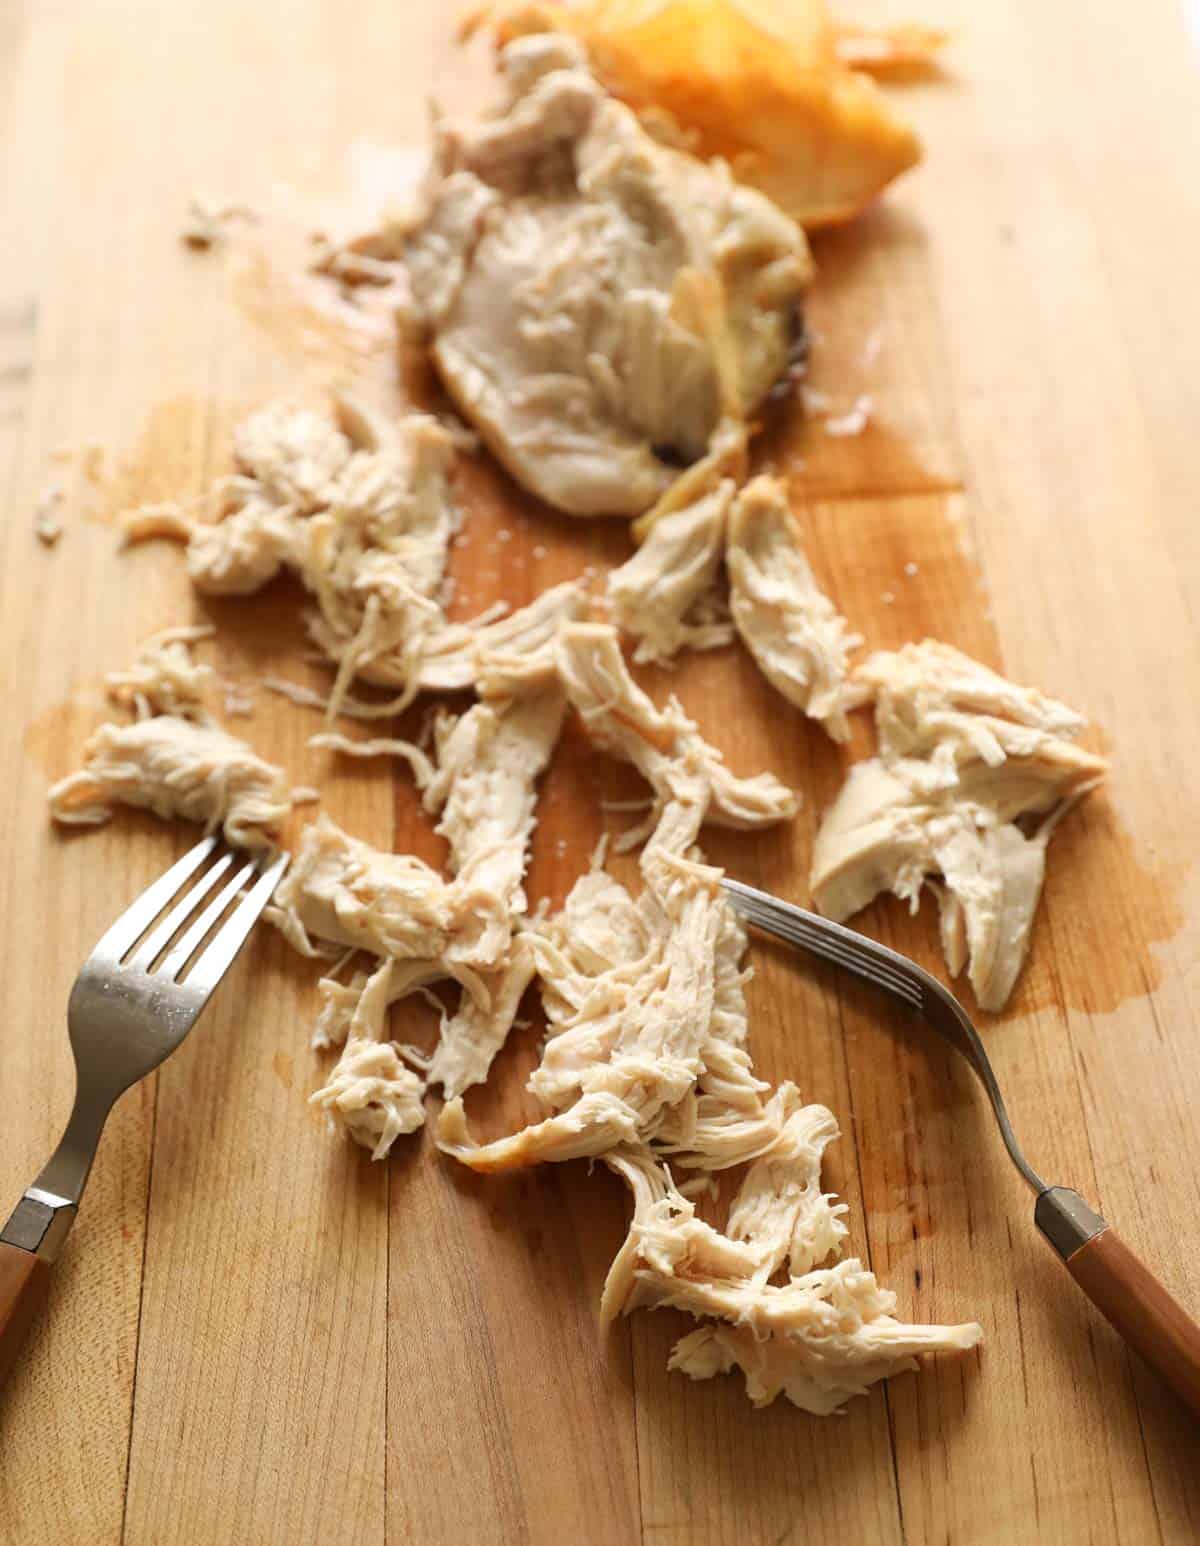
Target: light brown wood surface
[(257, 1336)]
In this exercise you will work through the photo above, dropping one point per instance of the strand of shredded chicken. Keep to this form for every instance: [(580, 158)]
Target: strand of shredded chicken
[(666, 596), (965, 758), (174, 759), (663, 744), (795, 633)]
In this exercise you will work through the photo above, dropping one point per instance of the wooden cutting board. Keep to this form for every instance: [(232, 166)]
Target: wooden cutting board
[(256, 1335)]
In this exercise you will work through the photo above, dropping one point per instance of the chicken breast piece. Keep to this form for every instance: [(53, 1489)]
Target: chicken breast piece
[(174, 767), (597, 303), (794, 632), (964, 757)]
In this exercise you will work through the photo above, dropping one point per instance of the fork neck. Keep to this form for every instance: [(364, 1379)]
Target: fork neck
[(42, 1218), (66, 1172)]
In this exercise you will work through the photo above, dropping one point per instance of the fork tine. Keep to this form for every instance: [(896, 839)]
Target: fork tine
[(156, 942), (841, 953), (219, 955), (139, 915), (852, 952), (183, 950)]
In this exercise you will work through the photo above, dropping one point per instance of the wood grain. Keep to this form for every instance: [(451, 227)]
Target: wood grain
[(255, 1334)]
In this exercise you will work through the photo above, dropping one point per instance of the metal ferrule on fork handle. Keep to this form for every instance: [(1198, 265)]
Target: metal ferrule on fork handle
[(39, 1223), (1066, 1220)]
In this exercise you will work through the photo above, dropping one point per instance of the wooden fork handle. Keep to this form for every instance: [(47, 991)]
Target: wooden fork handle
[(1137, 1305), (1124, 1290), (24, 1281)]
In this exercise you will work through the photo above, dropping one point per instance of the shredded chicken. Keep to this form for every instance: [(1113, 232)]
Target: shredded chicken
[(663, 744), (164, 678), (174, 767), (174, 759), (793, 630), (372, 1095), (598, 303), (819, 1338), (422, 925), (362, 513), (666, 595), (47, 515), (633, 1007), (964, 757), (645, 1061)]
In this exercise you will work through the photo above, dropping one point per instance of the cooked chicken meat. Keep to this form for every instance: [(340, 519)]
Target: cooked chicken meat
[(636, 990), (488, 762), (175, 768), (964, 758), (372, 1095), (421, 925), (597, 303), (363, 514), (342, 891), (645, 1061), (663, 744), (666, 596), (635, 1047), (932, 700), (165, 679), (793, 630), (819, 1338)]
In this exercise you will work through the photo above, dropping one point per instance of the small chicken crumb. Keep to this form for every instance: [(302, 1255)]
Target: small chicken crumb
[(47, 527), (912, 570), (888, 598), (238, 702), (206, 224), (853, 422)]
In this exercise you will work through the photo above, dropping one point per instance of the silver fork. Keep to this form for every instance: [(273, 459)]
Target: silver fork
[(138, 995), (1117, 1282)]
